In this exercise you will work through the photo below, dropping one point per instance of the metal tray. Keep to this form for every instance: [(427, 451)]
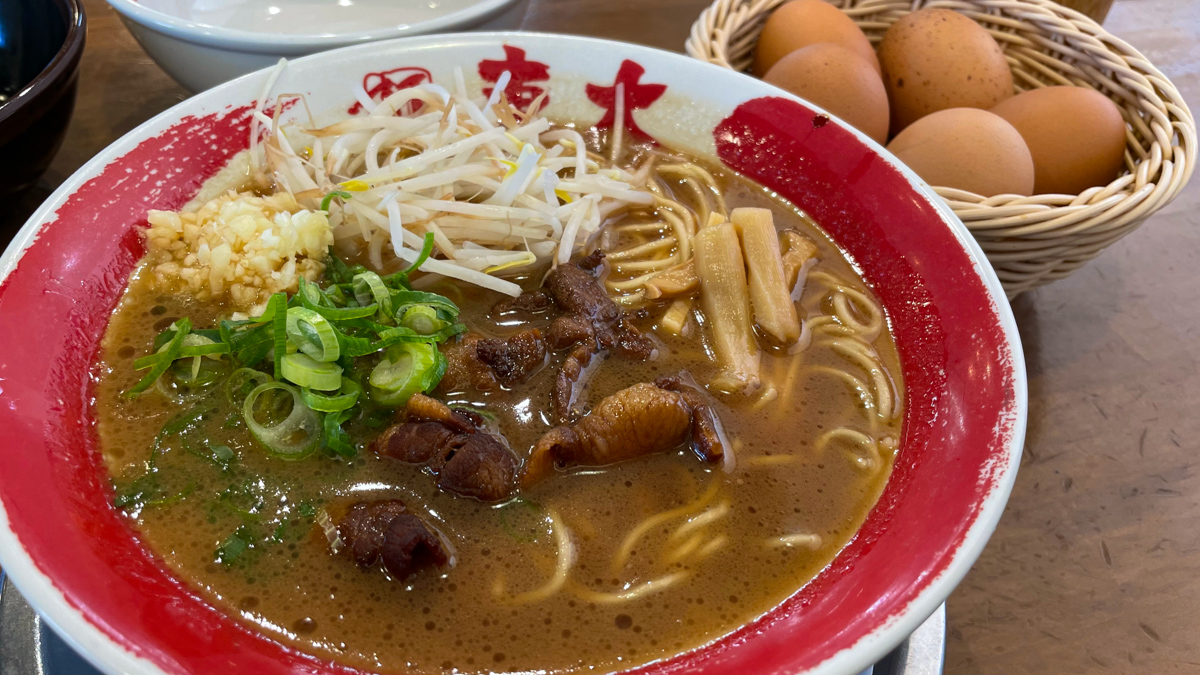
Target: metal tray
[(29, 647)]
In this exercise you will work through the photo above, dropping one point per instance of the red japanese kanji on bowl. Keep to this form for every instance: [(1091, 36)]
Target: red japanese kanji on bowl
[(378, 86), (521, 89), (634, 96)]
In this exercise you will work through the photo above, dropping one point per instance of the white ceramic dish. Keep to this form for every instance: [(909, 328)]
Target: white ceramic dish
[(202, 43), (76, 560)]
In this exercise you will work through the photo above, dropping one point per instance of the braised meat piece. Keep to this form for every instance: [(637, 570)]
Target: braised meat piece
[(591, 261), (363, 527), (706, 426), (467, 460), (482, 467), (566, 331), (422, 408), (568, 382), (590, 313), (640, 420), (531, 302), (576, 292), (482, 364), (625, 339), (414, 442), (464, 370), (383, 531), (409, 545), (515, 358)]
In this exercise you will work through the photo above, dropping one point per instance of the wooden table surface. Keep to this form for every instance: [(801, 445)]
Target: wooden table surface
[(1095, 566)]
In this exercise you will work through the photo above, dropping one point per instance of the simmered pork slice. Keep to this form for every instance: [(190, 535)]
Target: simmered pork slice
[(467, 460), (409, 545), (482, 364), (383, 531), (415, 442), (577, 293), (482, 467), (637, 421), (515, 358), (590, 313), (464, 370), (569, 330), (531, 302), (363, 526)]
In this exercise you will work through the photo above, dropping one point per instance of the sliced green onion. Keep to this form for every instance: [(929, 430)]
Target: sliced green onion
[(338, 314), (401, 277), (337, 271), (170, 353), (335, 296), (306, 371), (355, 346), (405, 299), (277, 308), (294, 436), (248, 343), (310, 293), (329, 199), (313, 334), (345, 399), (164, 337), (336, 438), (388, 336), (187, 351), (422, 319), (408, 368), (369, 288), (243, 381), (188, 377)]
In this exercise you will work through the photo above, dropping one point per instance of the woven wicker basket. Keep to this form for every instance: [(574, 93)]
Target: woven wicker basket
[(1030, 240)]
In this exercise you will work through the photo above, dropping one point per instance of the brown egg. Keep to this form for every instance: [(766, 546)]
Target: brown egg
[(968, 149), (936, 59), (839, 81), (801, 23), (1076, 136)]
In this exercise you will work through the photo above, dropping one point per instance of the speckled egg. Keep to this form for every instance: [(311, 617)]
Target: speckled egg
[(1076, 136), (801, 23), (935, 59), (968, 149), (839, 81)]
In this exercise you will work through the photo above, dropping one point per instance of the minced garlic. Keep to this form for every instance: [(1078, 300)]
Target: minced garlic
[(238, 247)]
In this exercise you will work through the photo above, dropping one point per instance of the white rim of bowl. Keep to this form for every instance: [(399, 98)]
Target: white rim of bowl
[(114, 659), (270, 43)]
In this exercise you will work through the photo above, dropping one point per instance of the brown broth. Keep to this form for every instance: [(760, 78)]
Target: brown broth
[(291, 588)]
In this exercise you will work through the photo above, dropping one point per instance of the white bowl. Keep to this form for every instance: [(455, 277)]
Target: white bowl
[(202, 43), (78, 562)]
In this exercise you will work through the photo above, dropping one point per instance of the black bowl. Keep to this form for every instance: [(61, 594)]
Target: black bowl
[(41, 42)]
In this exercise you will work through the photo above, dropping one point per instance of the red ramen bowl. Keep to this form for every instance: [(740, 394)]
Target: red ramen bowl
[(80, 564)]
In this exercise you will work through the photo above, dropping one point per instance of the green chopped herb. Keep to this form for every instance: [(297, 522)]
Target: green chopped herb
[(233, 547), (170, 353), (222, 455)]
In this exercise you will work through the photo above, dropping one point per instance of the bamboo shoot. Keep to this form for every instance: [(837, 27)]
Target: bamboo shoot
[(725, 301), (774, 311), (797, 250), (679, 280), (676, 319)]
